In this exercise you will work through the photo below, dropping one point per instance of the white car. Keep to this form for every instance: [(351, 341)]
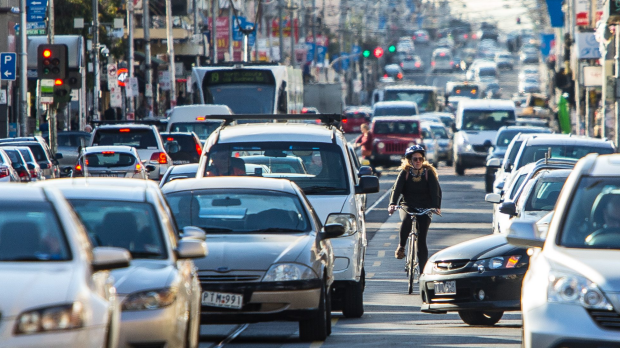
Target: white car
[(570, 291), (111, 161), (56, 287), (330, 184), (529, 72), (191, 118), (160, 292)]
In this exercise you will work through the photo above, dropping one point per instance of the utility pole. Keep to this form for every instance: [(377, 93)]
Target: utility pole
[(196, 30), (130, 62), (23, 69), (230, 32), (171, 65), (148, 73), (293, 60), (281, 30), (214, 31), (51, 111), (316, 47), (96, 70), (617, 75)]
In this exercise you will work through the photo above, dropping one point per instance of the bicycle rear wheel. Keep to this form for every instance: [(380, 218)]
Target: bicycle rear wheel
[(410, 264)]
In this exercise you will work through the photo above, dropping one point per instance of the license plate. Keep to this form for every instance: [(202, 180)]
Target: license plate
[(445, 288), (220, 299), (109, 175), (396, 157)]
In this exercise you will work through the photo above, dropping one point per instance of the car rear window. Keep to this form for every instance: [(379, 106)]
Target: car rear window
[(202, 129), (395, 111), (396, 127), (26, 154), (139, 138), (181, 148), (109, 159), (14, 156), (534, 153), (71, 140)]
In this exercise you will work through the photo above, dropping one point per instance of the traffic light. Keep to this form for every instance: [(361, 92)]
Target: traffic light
[(74, 80), (62, 92), (392, 49), (378, 52), (366, 53), (52, 62)]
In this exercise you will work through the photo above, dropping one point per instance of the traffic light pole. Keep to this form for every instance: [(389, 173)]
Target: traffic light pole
[(171, 67), (130, 68), (51, 110), (148, 72), (96, 70), (23, 69)]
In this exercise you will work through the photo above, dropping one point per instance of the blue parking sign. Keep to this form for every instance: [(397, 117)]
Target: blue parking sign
[(8, 62)]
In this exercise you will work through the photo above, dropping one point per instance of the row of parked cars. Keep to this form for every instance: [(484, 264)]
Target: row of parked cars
[(283, 206)]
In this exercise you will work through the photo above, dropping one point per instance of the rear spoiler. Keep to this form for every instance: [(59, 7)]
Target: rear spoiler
[(327, 119)]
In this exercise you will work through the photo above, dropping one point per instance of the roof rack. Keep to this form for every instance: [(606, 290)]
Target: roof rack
[(327, 119)]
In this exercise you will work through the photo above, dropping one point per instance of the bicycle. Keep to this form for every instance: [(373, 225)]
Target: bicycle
[(412, 266)]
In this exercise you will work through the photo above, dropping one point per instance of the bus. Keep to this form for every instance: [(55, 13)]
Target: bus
[(249, 88)]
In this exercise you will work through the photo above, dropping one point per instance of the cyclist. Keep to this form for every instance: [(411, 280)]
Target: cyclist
[(418, 183)]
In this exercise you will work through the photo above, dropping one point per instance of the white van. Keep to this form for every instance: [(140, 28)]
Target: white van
[(475, 130), (191, 118)]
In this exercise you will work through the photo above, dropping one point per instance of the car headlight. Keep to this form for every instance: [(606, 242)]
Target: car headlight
[(289, 271), (498, 262), (150, 299), (347, 220), (429, 267), (575, 289), (65, 317), (380, 145)]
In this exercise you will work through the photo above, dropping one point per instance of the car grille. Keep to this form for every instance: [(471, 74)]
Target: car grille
[(606, 319), (225, 278), (451, 265), (398, 147), (480, 148)]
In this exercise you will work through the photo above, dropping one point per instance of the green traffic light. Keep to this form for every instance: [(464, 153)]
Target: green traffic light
[(366, 53), (392, 49)]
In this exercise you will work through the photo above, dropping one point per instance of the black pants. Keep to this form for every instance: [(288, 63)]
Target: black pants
[(422, 223)]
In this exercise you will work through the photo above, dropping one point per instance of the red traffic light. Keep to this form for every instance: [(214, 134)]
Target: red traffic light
[(47, 53), (58, 82), (378, 52)]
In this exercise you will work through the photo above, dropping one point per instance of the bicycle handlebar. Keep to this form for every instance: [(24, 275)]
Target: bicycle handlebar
[(428, 211)]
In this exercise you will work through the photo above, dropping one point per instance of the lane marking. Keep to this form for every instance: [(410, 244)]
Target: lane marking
[(316, 344), (387, 244), (233, 335), (393, 236), (378, 201), (376, 264), (334, 321), (370, 275), (381, 253)]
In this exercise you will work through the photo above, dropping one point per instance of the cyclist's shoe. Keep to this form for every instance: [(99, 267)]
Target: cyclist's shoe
[(399, 253)]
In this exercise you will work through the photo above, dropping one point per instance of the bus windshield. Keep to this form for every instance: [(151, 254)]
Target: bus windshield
[(424, 99), (245, 91)]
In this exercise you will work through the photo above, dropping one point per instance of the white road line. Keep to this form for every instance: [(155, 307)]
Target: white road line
[(372, 207), (376, 264)]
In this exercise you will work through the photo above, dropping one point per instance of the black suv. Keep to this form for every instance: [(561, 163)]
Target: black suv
[(182, 147)]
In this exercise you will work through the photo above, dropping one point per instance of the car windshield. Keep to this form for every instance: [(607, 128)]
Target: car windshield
[(31, 232), (544, 194), (534, 153), (592, 220), (487, 72), (257, 99), (396, 127), (110, 159), (202, 129), (392, 69), (123, 224), (424, 99), (139, 138), (239, 211), (323, 171), (441, 131), (394, 111), (479, 120)]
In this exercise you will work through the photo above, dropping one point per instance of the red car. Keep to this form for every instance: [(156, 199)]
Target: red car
[(392, 136), (356, 117)]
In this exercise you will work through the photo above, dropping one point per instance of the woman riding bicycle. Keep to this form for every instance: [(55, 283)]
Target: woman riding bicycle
[(418, 184)]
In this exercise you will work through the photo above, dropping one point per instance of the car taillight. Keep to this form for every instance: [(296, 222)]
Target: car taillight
[(4, 172), (78, 168), (399, 76), (386, 75), (33, 173), (160, 157), (138, 167), (198, 149), (465, 36), (402, 65), (451, 63), (432, 63), (22, 173), (417, 64)]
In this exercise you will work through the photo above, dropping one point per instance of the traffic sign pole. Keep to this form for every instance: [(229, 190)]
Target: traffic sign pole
[(23, 69)]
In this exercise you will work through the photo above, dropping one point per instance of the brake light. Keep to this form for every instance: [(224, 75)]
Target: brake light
[(138, 167), (200, 118), (474, 36), (451, 63), (78, 168), (442, 54), (344, 120), (432, 63), (465, 36), (124, 130), (4, 172), (169, 139), (107, 152), (399, 76), (22, 173), (402, 65), (417, 64), (304, 110), (33, 173), (198, 149), (386, 75), (159, 157)]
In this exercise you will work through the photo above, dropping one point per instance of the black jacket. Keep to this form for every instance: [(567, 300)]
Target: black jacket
[(425, 193)]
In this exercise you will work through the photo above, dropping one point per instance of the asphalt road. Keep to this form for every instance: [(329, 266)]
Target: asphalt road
[(393, 318)]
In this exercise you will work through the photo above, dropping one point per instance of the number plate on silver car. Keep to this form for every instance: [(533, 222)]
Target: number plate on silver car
[(220, 299), (445, 288)]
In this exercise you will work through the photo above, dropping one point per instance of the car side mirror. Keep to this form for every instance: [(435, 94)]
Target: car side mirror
[(507, 167), (58, 156), (454, 128), (494, 163), (508, 208), (368, 184), (193, 232), (332, 231), (363, 171), (524, 234), (191, 249), (493, 198), (150, 168), (108, 258)]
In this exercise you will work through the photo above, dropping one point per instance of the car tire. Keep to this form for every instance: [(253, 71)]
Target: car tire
[(449, 163), (353, 300), (328, 312), (480, 318), (489, 178), (459, 169), (315, 328)]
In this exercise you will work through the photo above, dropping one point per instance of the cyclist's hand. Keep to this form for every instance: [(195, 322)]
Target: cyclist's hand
[(438, 211), (391, 209)]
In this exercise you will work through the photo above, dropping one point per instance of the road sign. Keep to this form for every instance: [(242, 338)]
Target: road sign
[(7, 65), (47, 91), (35, 17), (355, 51), (31, 3)]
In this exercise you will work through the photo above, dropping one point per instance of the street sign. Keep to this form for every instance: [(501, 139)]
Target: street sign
[(355, 51), (8, 62), (47, 91), (35, 17)]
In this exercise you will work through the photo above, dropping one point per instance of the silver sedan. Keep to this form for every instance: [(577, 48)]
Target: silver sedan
[(111, 161), (160, 292)]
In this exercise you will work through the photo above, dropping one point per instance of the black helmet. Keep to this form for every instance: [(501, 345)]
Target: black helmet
[(413, 149)]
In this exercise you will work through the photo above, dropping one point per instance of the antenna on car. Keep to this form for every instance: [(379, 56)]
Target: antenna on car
[(547, 155)]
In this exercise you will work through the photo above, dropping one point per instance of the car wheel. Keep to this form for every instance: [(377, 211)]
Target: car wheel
[(315, 328), (489, 177), (328, 312), (353, 300), (449, 163), (480, 318), (459, 168)]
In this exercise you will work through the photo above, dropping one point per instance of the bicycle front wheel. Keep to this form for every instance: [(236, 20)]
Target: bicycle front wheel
[(410, 264)]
